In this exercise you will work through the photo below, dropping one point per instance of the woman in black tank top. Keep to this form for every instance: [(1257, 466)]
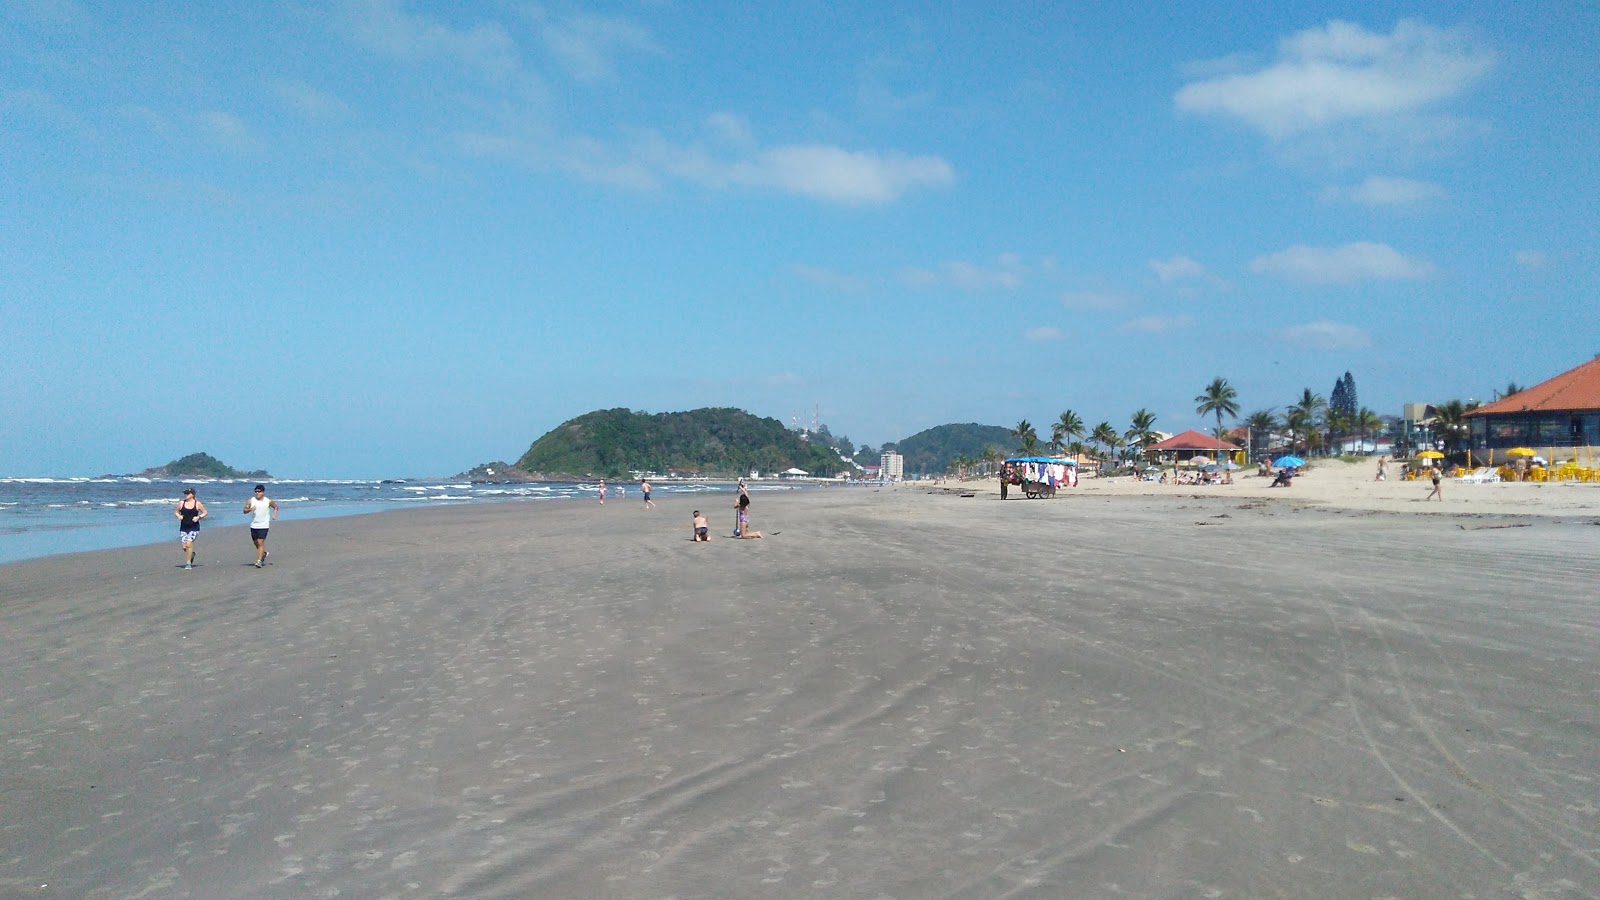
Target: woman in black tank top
[(190, 511)]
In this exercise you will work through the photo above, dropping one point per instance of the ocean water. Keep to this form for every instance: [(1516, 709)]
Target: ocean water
[(47, 516)]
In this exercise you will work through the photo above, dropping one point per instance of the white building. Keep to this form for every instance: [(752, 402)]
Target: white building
[(891, 466)]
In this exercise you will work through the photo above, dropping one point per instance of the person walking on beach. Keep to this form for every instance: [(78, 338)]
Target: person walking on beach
[(1436, 490), (644, 485), (742, 507), (699, 528), (262, 511), (602, 492), (1383, 468), (190, 511)]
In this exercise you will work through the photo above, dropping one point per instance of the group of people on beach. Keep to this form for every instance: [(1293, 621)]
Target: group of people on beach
[(259, 507), (700, 526)]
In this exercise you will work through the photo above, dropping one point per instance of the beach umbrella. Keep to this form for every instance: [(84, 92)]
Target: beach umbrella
[(1430, 454), (1521, 451), (1229, 466), (1285, 461)]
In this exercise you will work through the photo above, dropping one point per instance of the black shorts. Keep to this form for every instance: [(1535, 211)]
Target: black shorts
[(258, 534)]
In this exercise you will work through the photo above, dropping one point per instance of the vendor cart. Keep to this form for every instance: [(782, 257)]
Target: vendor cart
[(1038, 476)]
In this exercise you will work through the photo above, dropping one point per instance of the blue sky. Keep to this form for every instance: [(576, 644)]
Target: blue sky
[(387, 238)]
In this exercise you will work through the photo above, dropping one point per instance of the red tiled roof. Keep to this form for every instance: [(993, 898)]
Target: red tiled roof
[(1573, 389), (1193, 440)]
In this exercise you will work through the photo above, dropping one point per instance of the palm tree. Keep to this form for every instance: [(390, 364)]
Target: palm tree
[(1075, 449), (1511, 388), (1219, 398), (1143, 431), (1026, 436), (1068, 426), (1366, 421), (1303, 414), (1337, 422), (1105, 436), (991, 460), (1261, 422), (1450, 424)]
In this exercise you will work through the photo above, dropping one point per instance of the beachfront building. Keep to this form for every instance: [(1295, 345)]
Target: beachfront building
[(1559, 418), (891, 466), (1191, 444)]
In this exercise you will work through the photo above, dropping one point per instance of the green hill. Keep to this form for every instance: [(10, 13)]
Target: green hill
[(199, 465), (610, 443), (930, 451)]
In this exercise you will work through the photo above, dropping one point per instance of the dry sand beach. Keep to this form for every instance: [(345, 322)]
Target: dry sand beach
[(1124, 691)]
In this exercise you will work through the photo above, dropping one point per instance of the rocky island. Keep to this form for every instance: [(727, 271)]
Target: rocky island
[(199, 465)]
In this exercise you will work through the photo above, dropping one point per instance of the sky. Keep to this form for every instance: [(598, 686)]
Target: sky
[(385, 238)]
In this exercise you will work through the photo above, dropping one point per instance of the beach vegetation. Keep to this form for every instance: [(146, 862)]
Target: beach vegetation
[(1261, 424), (1219, 398), (1027, 438), (1069, 426), (1142, 432)]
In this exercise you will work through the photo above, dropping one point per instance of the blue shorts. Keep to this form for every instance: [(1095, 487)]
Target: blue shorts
[(258, 534)]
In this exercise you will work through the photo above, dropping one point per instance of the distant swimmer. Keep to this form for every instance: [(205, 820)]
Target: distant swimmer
[(700, 529), (262, 511), (190, 511), (645, 487)]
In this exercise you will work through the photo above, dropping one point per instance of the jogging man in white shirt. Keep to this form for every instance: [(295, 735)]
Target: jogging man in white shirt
[(262, 511)]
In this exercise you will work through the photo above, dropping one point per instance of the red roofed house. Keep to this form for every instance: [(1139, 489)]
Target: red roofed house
[(1555, 417), (1192, 443)]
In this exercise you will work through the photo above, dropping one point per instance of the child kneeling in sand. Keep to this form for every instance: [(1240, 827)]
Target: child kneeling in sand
[(701, 528)]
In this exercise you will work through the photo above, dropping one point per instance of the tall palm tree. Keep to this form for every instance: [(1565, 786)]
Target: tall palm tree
[(1450, 423), (1305, 413), (1105, 436), (1027, 437), (1143, 431), (1260, 423), (1075, 449), (1219, 398), (1337, 421), (1367, 421), (1068, 426)]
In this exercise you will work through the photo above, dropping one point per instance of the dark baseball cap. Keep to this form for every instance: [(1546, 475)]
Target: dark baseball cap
[(261, 487)]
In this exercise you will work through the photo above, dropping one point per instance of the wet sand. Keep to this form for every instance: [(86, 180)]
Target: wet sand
[(901, 694)]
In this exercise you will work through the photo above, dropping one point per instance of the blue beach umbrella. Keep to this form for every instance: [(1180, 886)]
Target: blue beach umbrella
[(1283, 461)]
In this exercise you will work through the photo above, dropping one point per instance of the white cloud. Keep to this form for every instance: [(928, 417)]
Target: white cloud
[(1044, 333), (1379, 190), (1157, 324), (852, 178), (1362, 261), (383, 27), (1093, 300), (1531, 259), (1324, 335), (1177, 268), (828, 278), (228, 130), (1342, 72), (586, 45), (1007, 274)]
